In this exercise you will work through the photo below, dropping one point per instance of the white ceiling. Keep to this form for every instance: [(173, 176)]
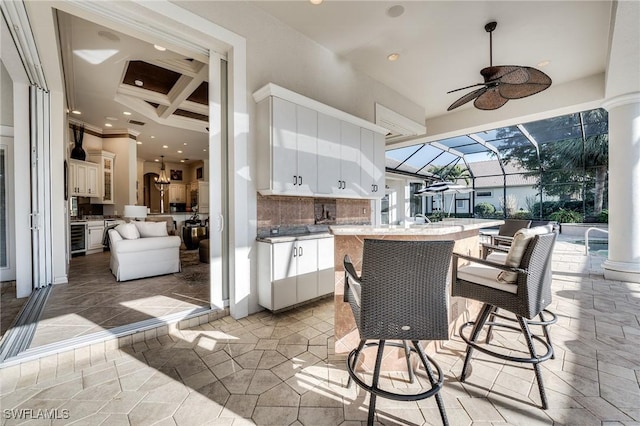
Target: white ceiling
[(442, 46)]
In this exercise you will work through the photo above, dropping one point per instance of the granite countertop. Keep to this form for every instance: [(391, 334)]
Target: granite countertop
[(287, 238), (447, 226)]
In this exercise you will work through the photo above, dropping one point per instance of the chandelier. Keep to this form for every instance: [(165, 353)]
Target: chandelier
[(161, 183)]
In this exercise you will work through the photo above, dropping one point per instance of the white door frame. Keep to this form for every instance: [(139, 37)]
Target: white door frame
[(165, 21)]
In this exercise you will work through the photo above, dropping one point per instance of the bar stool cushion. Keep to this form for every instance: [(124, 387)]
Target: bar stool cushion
[(497, 257), (486, 276)]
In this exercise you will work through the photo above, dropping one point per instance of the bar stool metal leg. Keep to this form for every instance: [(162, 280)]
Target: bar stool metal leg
[(480, 321), (536, 365), (407, 354), (374, 383)]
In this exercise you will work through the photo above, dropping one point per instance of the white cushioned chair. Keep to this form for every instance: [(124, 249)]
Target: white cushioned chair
[(143, 249)]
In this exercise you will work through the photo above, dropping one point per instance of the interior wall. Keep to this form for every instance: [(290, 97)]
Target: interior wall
[(6, 97)]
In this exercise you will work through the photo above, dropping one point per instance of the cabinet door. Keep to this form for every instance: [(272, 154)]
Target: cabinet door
[(379, 161), (367, 158), (307, 270), (203, 197), (329, 162), (107, 184), (307, 150), (283, 270), (96, 233), (326, 275), (350, 155), (284, 146), (92, 181), (81, 179)]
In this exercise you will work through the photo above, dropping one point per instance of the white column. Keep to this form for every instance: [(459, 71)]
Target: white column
[(623, 263)]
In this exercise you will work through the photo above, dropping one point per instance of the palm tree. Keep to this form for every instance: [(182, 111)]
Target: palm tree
[(451, 173)]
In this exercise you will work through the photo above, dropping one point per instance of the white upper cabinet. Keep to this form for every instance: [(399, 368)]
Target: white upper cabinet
[(329, 160), (372, 160), (83, 179), (307, 148)]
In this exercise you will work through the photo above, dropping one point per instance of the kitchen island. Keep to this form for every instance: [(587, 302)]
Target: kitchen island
[(348, 239)]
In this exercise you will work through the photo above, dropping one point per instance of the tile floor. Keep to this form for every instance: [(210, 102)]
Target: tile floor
[(10, 305), (280, 370), (93, 301)]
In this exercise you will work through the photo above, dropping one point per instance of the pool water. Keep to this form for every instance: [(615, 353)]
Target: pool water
[(599, 247)]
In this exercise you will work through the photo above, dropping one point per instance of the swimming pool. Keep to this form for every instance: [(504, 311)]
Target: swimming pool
[(596, 246)]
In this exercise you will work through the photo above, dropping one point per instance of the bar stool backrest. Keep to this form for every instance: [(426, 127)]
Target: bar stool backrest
[(404, 290), (534, 288)]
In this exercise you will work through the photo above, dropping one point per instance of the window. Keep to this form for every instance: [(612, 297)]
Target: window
[(483, 194)]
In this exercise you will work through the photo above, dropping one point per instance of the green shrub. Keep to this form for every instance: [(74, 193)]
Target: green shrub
[(522, 215), (566, 216), (484, 209), (603, 217)]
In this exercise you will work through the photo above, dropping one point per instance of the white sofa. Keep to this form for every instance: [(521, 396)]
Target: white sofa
[(143, 249)]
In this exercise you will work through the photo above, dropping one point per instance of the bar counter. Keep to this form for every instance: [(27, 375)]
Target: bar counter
[(348, 239)]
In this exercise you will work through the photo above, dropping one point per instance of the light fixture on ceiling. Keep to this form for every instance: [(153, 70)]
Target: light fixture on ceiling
[(179, 151), (139, 143), (76, 112), (152, 137), (316, 2), (393, 57), (502, 82), (126, 113), (139, 83), (165, 146), (182, 161), (111, 118), (160, 48), (108, 125), (161, 183)]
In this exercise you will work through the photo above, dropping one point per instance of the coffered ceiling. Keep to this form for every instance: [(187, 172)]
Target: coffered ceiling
[(119, 83)]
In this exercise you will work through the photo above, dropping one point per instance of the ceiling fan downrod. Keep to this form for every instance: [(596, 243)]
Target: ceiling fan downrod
[(489, 28)]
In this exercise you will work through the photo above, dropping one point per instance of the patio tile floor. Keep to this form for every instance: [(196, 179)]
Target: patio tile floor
[(280, 370)]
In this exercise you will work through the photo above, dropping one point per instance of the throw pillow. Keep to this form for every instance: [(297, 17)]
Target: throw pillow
[(128, 231), (152, 229), (516, 251)]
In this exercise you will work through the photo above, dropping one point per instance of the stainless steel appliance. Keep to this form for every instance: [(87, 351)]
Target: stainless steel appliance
[(78, 237)]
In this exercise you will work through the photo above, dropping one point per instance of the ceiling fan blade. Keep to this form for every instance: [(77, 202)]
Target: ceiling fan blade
[(512, 74), (518, 91), (489, 100), (466, 98), (466, 87)]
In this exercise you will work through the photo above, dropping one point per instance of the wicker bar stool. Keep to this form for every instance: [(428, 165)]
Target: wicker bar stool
[(521, 286), (400, 297)]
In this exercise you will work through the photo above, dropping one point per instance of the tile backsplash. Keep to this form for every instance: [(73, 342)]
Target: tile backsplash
[(289, 212)]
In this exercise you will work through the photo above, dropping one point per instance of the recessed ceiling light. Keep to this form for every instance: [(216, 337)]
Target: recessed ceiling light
[(179, 151), (111, 118), (160, 48), (395, 11), (126, 113), (138, 83), (76, 112), (185, 144), (205, 149), (152, 137), (316, 2), (156, 160), (139, 143), (165, 146), (393, 57), (108, 125), (182, 161), (543, 63)]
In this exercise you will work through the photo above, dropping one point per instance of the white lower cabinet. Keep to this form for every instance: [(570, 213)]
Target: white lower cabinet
[(95, 237), (292, 272)]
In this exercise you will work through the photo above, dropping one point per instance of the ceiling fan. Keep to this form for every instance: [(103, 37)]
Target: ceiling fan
[(502, 82)]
